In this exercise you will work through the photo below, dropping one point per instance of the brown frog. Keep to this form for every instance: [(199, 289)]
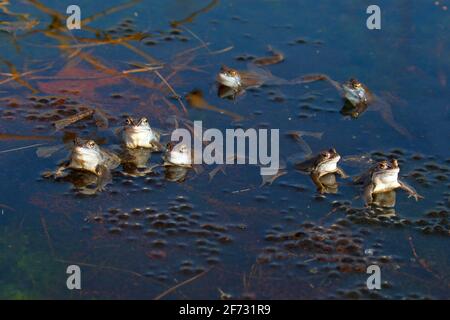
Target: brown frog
[(359, 98), (177, 161), (87, 156), (320, 165), (139, 134), (178, 155), (255, 77), (382, 178)]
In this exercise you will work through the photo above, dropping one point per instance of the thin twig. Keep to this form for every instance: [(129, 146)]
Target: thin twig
[(222, 50), (205, 45), (328, 214), (134, 273), (187, 51), (171, 89), (102, 267), (144, 69), (22, 148), (174, 288), (422, 262), (49, 240), (194, 14)]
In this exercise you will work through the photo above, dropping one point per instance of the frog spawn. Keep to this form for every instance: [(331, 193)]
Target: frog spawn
[(426, 171), (44, 111), (128, 27), (334, 245), (191, 241), (317, 257)]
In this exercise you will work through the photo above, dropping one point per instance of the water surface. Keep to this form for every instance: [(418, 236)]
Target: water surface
[(229, 236)]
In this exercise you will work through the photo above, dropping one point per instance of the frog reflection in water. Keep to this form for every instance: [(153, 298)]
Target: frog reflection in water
[(87, 156), (382, 178), (177, 161), (139, 141), (233, 83), (384, 204), (358, 98), (320, 167), (135, 162)]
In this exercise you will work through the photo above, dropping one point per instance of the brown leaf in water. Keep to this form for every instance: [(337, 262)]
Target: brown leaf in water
[(194, 14), (79, 81), (196, 100), (275, 58)]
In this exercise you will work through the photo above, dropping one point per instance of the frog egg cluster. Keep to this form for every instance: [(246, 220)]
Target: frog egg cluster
[(339, 249), (195, 236), (426, 171), (44, 111), (128, 27)]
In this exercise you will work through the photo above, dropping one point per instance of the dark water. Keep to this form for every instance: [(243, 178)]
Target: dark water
[(145, 235)]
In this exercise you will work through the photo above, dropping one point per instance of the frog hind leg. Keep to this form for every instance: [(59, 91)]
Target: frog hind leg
[(367, 194), (386, 113), (316, 180), (410, 190)]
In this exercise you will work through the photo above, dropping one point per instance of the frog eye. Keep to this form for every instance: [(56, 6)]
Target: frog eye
[(128, 121), (144, 121), (382, 165), (354, 83), (325, 154), (91, 144), (394, 163)]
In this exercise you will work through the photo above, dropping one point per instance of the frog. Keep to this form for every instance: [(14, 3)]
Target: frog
[(87, 156), (139, 134), (254, 77), (178, 155), (382, 178), (320, 165), (359, 98), (230, 78), (356, 92), (177, 162)]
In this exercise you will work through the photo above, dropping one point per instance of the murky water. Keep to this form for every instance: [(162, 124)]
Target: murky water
[(148, 237)]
